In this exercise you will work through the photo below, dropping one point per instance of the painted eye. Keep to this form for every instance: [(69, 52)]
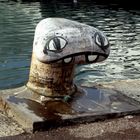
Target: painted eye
[(56, 44), (98, 40), (105, 41), (101, 40)]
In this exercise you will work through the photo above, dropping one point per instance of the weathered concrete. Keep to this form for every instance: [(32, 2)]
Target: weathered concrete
[(90, 104), (9, 127), (125, 128), (130, 88)]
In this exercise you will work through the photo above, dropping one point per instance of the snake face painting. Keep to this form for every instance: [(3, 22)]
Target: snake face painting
[(59, 44), (60, 40)]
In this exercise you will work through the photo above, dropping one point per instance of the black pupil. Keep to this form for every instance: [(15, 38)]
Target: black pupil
[(56, 43)]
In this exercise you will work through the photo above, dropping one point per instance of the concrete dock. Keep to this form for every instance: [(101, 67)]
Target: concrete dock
[(124, 127)]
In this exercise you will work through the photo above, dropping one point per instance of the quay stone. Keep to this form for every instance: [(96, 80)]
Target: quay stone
[(130, 88), (9, 127), (100, 102)]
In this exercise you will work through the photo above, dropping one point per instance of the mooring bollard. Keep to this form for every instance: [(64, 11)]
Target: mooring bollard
[(51, 99), (60, 44)]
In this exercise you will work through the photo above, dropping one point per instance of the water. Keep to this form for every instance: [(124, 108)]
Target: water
[(17, 25)]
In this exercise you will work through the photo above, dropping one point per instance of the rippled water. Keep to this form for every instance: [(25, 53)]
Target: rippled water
[(18, 21)]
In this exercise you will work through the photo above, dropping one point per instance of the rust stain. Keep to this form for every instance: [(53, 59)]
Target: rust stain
[(51, 79)]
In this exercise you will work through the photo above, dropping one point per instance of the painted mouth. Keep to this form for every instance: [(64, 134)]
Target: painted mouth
[(81, 58), (68, 60), (91, 58)]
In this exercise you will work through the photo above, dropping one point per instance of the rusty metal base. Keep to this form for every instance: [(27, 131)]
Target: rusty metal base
[(88, 105)]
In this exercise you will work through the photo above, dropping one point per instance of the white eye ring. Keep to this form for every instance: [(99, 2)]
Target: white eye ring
[(56, 44), (97, 39), (105, 41), (101, 40)]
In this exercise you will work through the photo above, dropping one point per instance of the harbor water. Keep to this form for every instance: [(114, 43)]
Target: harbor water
[(19, 19)]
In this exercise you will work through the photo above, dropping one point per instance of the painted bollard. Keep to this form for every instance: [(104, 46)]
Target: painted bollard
[(50, 98), (60, 44)]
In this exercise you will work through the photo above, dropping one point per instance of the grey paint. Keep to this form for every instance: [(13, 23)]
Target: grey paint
[(62, 39)]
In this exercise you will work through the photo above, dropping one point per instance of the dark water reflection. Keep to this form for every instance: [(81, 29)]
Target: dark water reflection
[(18, 21)]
